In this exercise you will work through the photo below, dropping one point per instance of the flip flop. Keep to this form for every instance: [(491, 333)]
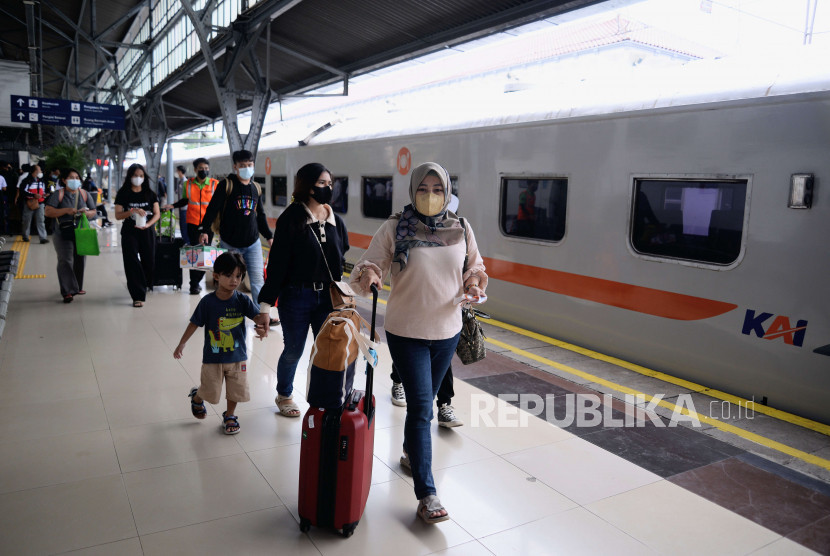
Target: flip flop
[(430, 505), (287, 407)]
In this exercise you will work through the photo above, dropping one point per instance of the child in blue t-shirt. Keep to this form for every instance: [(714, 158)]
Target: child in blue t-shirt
[(222, 313)]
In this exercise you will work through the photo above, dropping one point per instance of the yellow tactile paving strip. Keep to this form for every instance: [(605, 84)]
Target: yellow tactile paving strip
[(22, 247)]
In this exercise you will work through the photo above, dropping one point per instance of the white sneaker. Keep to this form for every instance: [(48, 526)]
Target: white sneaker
[(398, 394), (447, 418)]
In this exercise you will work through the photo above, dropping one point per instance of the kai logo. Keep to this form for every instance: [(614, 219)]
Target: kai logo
[(780, 327)]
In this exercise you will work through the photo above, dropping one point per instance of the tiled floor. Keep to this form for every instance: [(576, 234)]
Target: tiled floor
[(99, 453)]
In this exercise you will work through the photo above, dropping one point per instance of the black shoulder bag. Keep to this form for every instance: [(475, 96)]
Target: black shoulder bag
[(471, 342)]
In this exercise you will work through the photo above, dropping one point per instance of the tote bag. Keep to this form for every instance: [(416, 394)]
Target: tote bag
[(86, 238)]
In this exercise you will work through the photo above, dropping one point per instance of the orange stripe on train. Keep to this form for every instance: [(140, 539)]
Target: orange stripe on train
[(617, 294)]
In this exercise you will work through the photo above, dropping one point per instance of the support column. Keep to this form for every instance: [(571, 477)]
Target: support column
[(245, 37), (171, 168), (153, 134)]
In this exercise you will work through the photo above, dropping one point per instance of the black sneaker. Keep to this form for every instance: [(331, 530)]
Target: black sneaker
[(196, 290), (44, 240), (447, 418), (25, 239)]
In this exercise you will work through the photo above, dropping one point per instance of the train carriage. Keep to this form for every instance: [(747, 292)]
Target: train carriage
[(690, 238)]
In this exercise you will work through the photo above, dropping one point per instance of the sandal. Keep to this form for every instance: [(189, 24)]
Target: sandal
[(230, 423), (287, 406), (198, 409), (67, 299), (430, 505), (138, 304)]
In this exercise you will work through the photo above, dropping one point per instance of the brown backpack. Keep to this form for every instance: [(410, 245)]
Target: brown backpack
[(333, 356)]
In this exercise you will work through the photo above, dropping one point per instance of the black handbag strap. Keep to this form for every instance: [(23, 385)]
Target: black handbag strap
[(466, 245)]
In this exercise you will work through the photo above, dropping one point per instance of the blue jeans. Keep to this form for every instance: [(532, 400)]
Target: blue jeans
[(298, 308), (253, 260), (421, 365), (183, 228)]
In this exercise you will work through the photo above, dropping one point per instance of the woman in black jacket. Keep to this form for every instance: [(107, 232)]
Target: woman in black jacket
[(299, 275)]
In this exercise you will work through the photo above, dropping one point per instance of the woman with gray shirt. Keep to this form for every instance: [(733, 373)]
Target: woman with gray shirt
[(67, 204)]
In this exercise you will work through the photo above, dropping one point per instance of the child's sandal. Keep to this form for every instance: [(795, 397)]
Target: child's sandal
[(230, 423), (198, 409)]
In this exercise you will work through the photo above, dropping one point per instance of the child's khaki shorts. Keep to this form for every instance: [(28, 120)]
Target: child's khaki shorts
[(236, 382)]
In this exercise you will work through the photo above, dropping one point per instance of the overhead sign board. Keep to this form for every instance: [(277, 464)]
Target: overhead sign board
[(73, 113)]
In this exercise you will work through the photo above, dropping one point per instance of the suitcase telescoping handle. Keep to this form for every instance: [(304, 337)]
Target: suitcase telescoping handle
[(368, 406)]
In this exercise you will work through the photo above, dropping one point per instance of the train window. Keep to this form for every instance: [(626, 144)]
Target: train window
[(279, 191), (377, 197), (534, 208), (454, 189), (340, 194), (698, 220)]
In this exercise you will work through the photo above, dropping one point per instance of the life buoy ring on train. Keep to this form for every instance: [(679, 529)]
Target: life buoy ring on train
[(404, 161)]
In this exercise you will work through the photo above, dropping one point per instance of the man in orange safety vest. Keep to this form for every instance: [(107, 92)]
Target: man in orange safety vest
[(196, 194)]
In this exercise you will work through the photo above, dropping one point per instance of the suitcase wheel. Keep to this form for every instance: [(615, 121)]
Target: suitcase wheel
[(348, 530), (305, 525)]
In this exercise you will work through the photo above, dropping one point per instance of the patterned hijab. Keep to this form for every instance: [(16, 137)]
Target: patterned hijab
[(417, 230)]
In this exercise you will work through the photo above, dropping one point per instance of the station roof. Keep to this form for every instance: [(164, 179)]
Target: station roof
[(313, 43)]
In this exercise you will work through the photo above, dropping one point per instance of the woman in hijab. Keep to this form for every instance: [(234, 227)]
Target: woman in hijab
[(423, 249)]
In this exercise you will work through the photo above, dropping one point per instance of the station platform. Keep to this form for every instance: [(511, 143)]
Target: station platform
[(99, 453)]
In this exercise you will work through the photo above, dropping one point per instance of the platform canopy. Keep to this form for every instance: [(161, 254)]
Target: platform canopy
[(175, 65)]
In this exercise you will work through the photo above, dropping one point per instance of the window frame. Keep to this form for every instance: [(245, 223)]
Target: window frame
[(633, 181), (503, 176)]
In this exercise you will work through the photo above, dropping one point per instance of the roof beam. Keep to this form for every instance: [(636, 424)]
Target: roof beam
[(108, 60), (121, 20), (187, 111), (307, 59), (506, 19)]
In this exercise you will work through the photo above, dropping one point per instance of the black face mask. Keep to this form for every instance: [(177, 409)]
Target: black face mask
[(203, 174), (321, 194)]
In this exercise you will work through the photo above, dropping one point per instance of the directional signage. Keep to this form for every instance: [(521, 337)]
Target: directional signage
[(73, 113)]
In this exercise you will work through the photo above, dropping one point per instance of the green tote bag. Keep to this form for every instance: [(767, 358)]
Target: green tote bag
[(86, 238)]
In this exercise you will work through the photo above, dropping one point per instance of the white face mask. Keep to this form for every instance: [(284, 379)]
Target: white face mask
[(429, 204), (136, 181), (246, 172), (39, 175), (74, 185)]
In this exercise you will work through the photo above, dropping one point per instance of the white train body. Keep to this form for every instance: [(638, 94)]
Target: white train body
[(763, 319)]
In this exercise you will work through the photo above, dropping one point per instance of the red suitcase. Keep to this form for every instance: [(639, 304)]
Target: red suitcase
[(336, 458)]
